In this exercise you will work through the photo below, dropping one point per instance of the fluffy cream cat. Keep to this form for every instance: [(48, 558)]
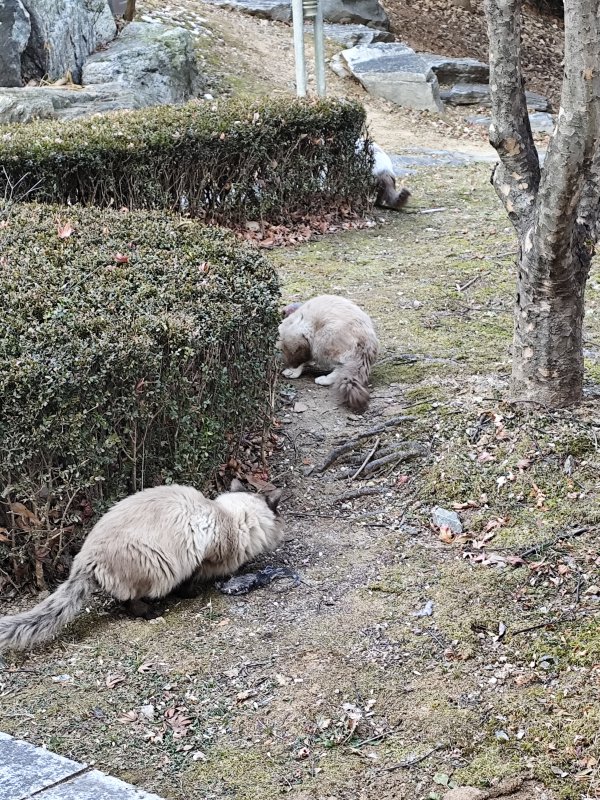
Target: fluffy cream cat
[(149, 544), (333, 334)]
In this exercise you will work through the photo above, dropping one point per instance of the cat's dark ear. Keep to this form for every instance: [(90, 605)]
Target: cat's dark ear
[(272, 499), (237, 486)]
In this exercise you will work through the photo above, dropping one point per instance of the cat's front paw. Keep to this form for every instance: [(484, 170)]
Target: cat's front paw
[(292, 373)]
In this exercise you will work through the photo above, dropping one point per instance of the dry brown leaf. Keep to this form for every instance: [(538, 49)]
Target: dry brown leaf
[(146, 666), (27, 518), (445, 535), (128, 717), (241, 697), (65, 230), (114, 679)]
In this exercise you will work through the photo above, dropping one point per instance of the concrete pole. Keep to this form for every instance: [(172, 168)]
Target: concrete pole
[(298, 23), (319, 50)]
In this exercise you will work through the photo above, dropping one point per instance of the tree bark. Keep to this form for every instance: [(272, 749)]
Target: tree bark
[(555, 211), (129, 11)]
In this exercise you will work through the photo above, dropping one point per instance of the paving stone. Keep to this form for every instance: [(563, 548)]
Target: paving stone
[(25, 769), (95, 785)]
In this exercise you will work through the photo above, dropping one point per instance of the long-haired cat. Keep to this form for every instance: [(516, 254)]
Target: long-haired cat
[(331, 333), (383, 172), (149, 544)]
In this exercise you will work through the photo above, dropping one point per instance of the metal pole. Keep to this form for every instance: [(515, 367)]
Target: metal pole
[(319, 50), (298, 23)]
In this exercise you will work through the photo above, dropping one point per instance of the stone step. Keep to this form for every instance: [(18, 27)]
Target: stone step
[(27, 771)]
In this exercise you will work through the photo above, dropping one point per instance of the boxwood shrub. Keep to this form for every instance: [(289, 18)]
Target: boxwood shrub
[(136, 348), (231, 161)]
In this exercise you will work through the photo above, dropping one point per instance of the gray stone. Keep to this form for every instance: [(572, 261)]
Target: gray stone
[(465, 94), (449, 519), (95, 785), (28, 104), (457, 70), (365, 12), (63, 34), (15, 28), (352, 35), (25, 769), (280, 10), (540, 122), (157, 62), (396, 73)]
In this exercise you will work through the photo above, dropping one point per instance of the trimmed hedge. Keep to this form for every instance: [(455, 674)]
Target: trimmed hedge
[(136, 348), (231, 161)]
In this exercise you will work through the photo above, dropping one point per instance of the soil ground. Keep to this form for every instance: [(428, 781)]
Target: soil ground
[(408, 659)]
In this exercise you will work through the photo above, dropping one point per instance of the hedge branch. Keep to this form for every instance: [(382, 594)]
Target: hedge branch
[(517, 177)]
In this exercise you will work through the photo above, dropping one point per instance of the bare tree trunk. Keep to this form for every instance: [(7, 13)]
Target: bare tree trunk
[(129, 11), (555, 211)]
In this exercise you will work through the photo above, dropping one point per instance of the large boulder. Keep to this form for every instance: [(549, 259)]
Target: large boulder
[(155, 61), (365, 12), (15, 28), (457, 70), (63, 34), (352, 35), (396, 73)]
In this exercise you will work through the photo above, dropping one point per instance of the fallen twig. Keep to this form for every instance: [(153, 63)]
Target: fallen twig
[(539, 548), (352, 495), (370, 455), (398, 456), (411, 762), (379, 736), (351, 443)]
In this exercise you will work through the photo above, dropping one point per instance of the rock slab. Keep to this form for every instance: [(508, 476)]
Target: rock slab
[(465, 94), (156, 62), (63, 34), (396, 73), (457, 70), (364, 12), (352, 35), (27, 771), (15, 28)]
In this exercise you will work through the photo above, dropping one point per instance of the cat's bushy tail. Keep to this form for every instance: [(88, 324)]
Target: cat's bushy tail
[(43, 621), (352, 385)]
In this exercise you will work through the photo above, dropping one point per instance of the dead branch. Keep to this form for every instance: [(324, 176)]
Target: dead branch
[(352, 495), (410, 762), (401, 455), (369, 456), (352, 443), (539, 548)]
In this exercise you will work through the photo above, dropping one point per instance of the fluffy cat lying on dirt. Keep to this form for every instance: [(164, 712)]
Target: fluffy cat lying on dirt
[(149, 544), (383, 171), (331, 333)]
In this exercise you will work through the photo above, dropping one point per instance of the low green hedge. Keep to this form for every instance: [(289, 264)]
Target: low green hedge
[(231, 161), (136, 348)]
